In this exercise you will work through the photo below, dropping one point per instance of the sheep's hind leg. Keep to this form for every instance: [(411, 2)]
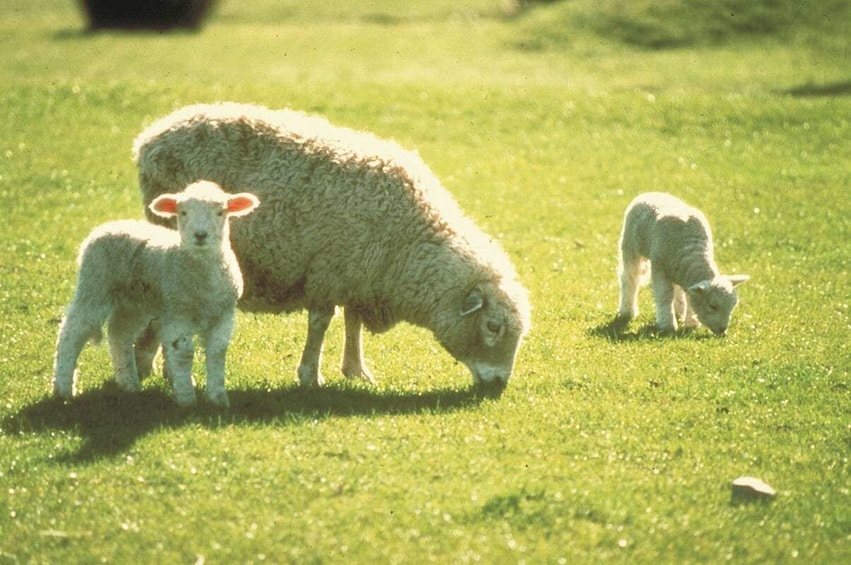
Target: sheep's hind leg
[(72, 338), (663, 294), (629, 272), (122, 331), (309, 373), (353, 363)]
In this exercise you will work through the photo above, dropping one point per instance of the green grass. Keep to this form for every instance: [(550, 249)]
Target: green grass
[(544, 124)]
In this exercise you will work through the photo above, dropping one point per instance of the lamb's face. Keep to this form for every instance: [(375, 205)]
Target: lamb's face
[(487, 333), (201, 224), (713, 301), (202, 212)]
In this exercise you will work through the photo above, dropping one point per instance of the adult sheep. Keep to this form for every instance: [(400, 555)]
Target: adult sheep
[(347, 220)]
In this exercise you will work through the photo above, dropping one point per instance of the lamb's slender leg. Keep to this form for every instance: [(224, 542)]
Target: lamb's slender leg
[(353, 363), (123, 328), (663, 294), (179, 348), (146, 348), (689, 316), (629, 272), (680, 304), (76, 329), (309, 373), (216, 345)]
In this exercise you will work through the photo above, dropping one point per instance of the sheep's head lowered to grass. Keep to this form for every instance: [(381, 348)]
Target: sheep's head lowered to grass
[(202, 211), (714, 300)]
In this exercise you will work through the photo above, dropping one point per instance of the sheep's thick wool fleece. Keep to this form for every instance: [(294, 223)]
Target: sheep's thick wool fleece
[(346, 218)]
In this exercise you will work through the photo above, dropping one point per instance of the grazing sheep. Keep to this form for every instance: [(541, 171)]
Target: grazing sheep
[(133, 273), (348, 220), (677, 241)]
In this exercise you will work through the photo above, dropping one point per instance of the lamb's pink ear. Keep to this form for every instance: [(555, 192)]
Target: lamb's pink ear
[(164, 206), (242, 204)]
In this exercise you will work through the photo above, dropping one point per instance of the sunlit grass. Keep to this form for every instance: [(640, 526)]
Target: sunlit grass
[(601, 448)]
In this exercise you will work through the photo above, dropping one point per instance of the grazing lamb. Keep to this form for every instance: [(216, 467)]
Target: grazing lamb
[(677, 240), (186, 282), (348, 220)]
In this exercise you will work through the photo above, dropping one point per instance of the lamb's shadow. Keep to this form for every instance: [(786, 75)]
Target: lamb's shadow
[(617, 330), (110, 421)]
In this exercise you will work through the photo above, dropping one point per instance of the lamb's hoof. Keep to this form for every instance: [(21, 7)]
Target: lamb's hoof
[(63, 391), (129, 385), (219, 399), (186, 401)]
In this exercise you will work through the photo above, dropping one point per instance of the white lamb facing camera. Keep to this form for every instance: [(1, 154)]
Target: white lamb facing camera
[(677, 241), (183, 282)]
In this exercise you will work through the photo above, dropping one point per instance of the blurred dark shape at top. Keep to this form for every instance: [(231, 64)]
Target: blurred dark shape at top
[(146, 14)]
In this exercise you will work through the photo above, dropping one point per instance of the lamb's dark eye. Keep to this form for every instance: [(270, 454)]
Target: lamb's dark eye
[(183, 213), (494, 327), (221, 213)]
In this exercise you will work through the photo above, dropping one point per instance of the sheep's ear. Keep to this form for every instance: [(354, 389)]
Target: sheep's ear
[(700, 287), (473, 302), (736, 280), (242, 203), (164, 205)]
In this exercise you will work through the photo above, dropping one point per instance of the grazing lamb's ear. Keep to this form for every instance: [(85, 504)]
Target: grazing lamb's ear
[(164, 206), (242, 203), (700, 287), (473, 302), (736, 280)]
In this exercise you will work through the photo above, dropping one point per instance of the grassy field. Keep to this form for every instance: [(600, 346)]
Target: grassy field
[(544, 122)]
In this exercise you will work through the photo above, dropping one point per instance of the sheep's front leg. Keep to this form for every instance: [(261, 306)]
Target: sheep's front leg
[(353, 363), (178, 363), (685, 313), (216, 345), (318, 319), (629, 272), (123, 328), (663, 295)]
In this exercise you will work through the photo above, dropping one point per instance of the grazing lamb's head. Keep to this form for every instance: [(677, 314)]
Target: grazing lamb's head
[(202, 211), (713, 300), (490, 321)]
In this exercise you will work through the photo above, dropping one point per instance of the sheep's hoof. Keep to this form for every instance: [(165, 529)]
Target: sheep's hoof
[(310, 376), (219, 399), (359, 372)]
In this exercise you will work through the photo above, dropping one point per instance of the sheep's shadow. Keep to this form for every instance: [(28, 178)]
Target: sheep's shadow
[(110, 421), (617, 330)]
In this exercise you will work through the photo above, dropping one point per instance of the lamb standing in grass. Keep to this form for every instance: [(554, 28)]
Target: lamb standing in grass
[(677, 241), (133, 273), (347, 220)]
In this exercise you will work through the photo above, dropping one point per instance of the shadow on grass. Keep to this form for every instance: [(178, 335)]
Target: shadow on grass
[(617, 330), (110, 421), (842, 88)]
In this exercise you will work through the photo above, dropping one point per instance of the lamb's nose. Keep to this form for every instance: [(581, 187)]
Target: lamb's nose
[(200, 237)]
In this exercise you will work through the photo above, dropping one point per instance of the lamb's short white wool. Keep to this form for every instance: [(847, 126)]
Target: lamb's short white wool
[(186, 282), (677, 241)]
